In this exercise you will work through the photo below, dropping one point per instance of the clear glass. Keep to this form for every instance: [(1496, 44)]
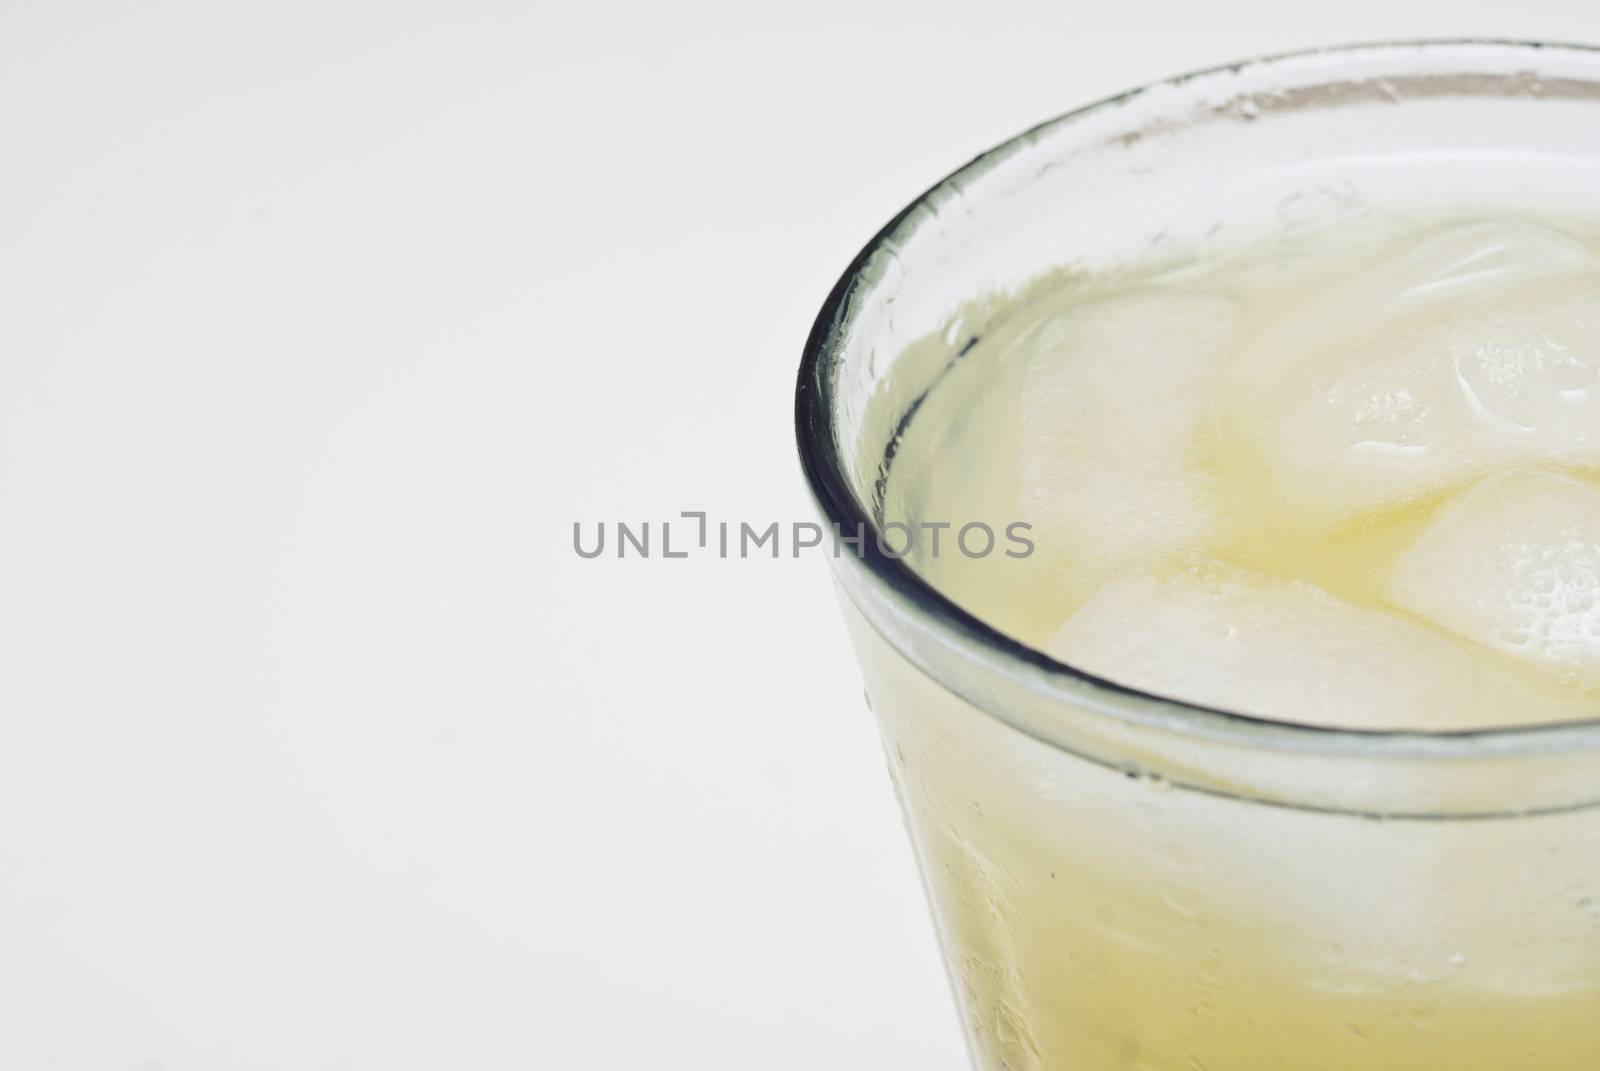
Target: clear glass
[(1121, 881)]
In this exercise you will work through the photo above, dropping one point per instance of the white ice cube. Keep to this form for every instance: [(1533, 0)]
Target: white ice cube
[(1114, 399), (1228, 637), (1478, 347), (1514, 563)]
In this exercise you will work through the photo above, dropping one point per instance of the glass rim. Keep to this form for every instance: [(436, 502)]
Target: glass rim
[(1056, 681)]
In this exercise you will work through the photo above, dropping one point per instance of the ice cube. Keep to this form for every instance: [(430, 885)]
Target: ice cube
[(1514, 563), (1224, 636), (1113, 401), (1459, 264), (1478, 347), (1471, 259)]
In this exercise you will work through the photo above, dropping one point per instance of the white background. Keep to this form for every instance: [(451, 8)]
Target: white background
[(320, 325)]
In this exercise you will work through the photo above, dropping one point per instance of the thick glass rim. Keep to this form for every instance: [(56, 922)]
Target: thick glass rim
[(824, 469)]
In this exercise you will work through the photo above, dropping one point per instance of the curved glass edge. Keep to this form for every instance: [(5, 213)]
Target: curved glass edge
[(969, 637)]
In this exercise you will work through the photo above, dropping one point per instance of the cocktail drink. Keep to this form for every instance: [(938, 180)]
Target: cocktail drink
[(1267, 738)]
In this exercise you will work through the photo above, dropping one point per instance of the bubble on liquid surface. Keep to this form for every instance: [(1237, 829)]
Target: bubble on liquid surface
[(1112, 403), (1514, 564), (1224, 636), (1477, 347)]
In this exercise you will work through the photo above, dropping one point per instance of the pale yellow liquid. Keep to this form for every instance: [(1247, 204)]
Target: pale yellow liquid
[(1093, 921), (960, 461)]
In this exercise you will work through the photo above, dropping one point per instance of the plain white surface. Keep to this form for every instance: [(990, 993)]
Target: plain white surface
[(322, 322)]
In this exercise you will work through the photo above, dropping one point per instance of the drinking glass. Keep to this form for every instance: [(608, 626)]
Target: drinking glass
[(1124, 881)]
